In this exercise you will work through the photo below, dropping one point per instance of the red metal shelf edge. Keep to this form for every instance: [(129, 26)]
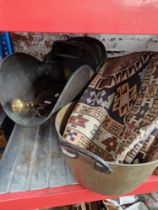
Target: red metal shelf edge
[(80, 16), (59, 196)]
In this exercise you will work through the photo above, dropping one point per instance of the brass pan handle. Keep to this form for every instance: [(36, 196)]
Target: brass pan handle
[(72, 151)]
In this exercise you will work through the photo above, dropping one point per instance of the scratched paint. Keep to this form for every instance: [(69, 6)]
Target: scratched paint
[(38, 44)]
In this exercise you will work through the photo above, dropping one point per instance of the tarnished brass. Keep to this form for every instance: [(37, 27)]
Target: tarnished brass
[(18, 105), (123, 178)]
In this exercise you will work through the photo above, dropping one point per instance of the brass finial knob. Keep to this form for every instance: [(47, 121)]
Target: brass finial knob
[(19, 105)]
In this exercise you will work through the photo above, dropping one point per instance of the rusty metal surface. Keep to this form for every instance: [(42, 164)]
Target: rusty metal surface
[(32, 160), (38, 44)]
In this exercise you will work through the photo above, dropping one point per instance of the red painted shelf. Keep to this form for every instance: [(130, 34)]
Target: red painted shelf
[(59, 196), (80, 16), (75, 16), (34, 174)]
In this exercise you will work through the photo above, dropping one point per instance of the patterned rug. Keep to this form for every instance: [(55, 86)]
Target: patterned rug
[(117, 116)]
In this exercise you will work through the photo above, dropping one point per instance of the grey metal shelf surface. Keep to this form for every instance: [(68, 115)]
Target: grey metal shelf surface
[(32, 160)]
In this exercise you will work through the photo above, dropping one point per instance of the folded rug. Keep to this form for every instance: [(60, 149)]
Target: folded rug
[(117, 116)]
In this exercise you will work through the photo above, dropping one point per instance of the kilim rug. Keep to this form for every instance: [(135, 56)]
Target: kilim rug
[(117, 116)]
